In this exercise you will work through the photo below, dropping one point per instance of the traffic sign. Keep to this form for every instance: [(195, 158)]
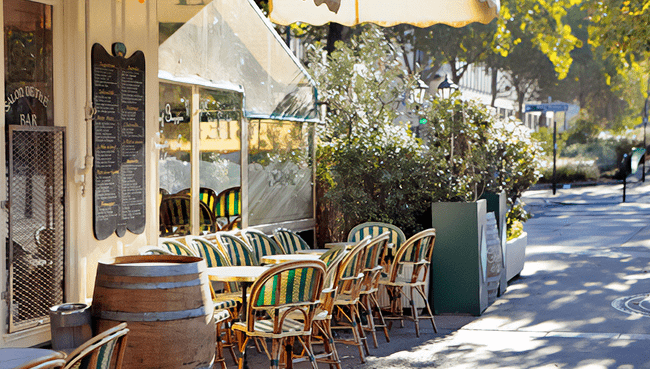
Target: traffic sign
[(558, 106)]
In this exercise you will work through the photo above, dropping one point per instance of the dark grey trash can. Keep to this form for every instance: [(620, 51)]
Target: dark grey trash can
[(70, 326)]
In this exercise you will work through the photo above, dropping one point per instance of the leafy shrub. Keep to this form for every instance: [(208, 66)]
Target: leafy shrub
[(571, 172)]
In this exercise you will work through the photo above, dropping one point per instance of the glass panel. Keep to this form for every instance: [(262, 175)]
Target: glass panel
[(280, 171), (231, 42), (174, 167), (220, 135), (28, 63)]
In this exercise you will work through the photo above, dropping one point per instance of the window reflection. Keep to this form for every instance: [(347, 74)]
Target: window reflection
[(28, 63), (219, 158), (280, 171)]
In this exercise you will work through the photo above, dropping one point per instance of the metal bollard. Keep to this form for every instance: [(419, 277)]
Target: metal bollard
[(70, 326)]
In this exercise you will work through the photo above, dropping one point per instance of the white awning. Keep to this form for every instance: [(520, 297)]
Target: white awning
[(420, 13)]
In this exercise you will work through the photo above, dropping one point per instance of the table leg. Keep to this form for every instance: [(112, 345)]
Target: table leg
[(242, 315)]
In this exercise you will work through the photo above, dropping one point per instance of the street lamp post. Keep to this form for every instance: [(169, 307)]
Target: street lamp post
[(418, 96), (446, 88)]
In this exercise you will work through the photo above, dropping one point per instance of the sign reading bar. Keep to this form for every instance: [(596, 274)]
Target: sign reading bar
[(118, 141)]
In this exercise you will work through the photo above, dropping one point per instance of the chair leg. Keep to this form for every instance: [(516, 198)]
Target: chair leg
[(427, 306), (352, 318), (219, 354), (371, 321), (414, 313), (362, 333), (382, 323), (324, 326), (276, 351), (242, 340), (229, 342)]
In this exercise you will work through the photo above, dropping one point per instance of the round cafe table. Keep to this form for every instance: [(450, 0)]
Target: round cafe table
[(348, 245), (283, 258), (312, 251), (13, 357)]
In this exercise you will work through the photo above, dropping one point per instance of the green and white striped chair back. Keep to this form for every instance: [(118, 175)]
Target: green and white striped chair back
[(290, 241), (262, 244), (374, 229), (98, 352), (240, 253), (175, 247), (417, 249), (289, 283)]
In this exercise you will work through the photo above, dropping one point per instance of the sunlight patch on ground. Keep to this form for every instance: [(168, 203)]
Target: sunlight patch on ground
[(619, 287), (596, 364)]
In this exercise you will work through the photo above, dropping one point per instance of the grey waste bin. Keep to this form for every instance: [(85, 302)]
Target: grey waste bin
[(70, 326)]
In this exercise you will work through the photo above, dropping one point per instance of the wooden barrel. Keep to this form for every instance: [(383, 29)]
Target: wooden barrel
[(165, 300)]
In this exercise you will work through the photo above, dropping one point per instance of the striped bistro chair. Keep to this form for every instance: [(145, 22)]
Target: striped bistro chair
[(287, 288), (227, 208), (349, 278), (215, 257), (239, 251), (231, 299), (175, 247), (206, 196), (290, 241), (97, 352), (262, 244), (375, 253), (175, 216), (374, 229), (333, 255), (322, 322), (416, 252)]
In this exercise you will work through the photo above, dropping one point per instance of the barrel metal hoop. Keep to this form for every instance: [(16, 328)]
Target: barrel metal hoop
[(148, 286), (139, 270), (155, 316)]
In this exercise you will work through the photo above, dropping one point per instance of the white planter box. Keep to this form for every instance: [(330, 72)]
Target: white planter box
[(515, 255)]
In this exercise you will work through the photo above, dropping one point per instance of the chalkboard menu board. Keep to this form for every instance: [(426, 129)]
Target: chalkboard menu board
[(118, 141)]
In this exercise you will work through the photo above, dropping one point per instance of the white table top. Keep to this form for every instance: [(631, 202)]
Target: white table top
[(282, 258), (312, 251), (347, 245), (14, 357), (236, 273)]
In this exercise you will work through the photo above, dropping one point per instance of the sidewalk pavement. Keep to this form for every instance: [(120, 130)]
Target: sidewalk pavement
[(586, 252)]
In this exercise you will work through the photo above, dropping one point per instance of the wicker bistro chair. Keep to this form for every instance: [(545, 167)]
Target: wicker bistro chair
[(54, 360), (239, 251), (321, 324), (175, 216), (416, 252), (231, 299), (282, 290), (348, 279), (262, 244), (227, 208), (289, 240), (97, 352), (374, 229), (375, 254)]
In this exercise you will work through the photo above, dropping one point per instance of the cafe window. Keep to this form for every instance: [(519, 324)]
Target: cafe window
[(28, 63), (280, 166), (215, 115)]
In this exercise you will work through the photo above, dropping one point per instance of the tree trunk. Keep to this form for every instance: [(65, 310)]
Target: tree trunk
[(494, 75), (334, 34)]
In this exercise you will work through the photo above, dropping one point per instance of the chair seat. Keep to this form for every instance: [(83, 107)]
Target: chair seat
[(221, 315), (320, 314), (264, 328), (400, 282), (224, 302), (345, 299)]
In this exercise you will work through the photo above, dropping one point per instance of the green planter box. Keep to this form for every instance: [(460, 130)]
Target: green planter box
[(459, 263)]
